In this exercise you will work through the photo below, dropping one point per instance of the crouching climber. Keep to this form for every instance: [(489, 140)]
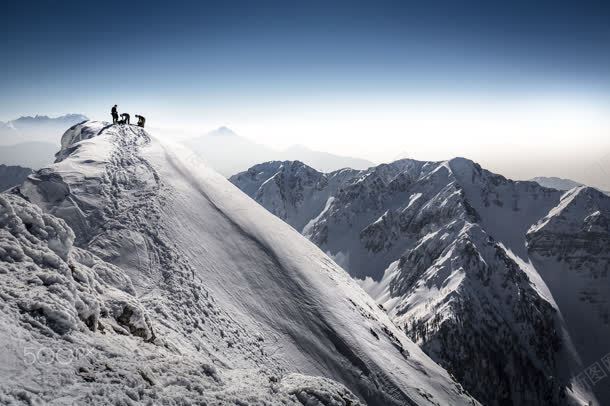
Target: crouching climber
[(141, 121), (124, 118)]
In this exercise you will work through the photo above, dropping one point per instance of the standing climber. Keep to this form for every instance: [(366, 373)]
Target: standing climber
[(115, 114), (125, 118), (141, 121)]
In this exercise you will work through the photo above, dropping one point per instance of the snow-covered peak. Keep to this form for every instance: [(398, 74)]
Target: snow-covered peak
[(462, 166), (579, 208), (238, 301), (31, 141)]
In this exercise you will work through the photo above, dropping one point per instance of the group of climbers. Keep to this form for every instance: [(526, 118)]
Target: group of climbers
[(125, 117)]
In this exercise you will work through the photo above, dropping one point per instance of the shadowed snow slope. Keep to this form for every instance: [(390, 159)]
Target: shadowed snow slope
[(180, 287), (12, 175), (570, 248)]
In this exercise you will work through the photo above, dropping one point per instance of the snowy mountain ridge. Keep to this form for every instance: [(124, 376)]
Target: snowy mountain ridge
[(449, 250), (180, 288)]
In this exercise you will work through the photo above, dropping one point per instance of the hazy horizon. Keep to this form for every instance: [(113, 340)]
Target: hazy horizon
[(523, 90), (522, 157)]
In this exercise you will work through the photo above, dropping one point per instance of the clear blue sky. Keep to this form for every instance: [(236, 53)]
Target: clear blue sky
[(374, 79), (61, 56)]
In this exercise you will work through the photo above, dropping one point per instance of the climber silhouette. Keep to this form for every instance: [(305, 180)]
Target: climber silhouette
[(141, 121), (115, 114), (124, 118)]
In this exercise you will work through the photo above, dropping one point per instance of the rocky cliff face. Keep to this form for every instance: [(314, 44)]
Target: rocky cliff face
[(442, 247)]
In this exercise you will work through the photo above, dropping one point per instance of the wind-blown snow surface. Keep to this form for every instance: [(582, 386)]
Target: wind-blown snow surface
[(161, 282), (443, 247)]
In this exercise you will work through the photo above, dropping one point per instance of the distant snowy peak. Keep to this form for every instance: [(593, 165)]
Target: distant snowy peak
[(293, 178), (561, 184), (324, 161), (39, 129), (556, 183), (222, 132), (230, 153), (352, 187), (291, 190), (581, 211), (227, 152)]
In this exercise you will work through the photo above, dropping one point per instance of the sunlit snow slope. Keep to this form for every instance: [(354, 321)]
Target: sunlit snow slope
[(178, 287)]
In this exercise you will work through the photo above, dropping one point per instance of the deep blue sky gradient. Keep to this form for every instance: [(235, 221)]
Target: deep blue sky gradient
[(81, 56)]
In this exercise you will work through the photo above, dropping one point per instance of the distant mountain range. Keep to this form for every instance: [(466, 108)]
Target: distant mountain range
[(229, 153), (556, 183), (33, 141), (37, 128), (41, 120), (505, 284)]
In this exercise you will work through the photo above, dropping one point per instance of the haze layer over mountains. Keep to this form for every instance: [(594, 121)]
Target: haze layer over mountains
[(31, 141), (229, 153)]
